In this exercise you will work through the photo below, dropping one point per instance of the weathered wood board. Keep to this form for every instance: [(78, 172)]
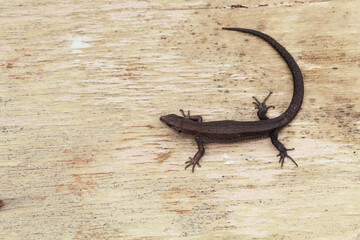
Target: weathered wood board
[(84, 156)]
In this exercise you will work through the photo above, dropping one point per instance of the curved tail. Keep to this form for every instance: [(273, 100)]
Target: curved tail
[(298, 92)]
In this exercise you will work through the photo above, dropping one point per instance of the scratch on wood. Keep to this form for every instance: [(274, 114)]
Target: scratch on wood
[(42, 198), (179, 211), (79, 162), (282, 4)]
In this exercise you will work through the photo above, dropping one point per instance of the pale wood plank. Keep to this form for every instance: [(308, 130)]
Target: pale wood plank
[(84, 156)]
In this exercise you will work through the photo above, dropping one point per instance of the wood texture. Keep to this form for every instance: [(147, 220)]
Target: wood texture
[(84, 156)]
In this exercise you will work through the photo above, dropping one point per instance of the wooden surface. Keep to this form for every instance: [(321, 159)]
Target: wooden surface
[(84, 156)]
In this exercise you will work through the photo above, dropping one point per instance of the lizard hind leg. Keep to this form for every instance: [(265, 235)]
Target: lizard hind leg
[(279, 146), (262, 108)]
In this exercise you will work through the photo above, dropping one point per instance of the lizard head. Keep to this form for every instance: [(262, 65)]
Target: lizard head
[(173, 121)]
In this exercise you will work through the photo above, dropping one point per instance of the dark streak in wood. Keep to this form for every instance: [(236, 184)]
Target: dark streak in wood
[(161, 157)]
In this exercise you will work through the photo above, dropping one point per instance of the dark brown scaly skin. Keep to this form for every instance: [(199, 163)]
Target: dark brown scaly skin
[(229, 131)]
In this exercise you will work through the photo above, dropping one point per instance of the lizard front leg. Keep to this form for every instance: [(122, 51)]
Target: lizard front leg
[(201, 150), (195, 160), (274, 134)]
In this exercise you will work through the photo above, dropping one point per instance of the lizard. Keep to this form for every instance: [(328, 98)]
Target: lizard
[(230, 131)]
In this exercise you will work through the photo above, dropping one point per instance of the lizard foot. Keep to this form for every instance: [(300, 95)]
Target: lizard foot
[(283, 154), (195, 118), (193, 162), (261, 106)]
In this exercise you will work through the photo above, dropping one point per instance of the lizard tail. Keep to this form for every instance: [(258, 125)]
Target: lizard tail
[(298, 92)]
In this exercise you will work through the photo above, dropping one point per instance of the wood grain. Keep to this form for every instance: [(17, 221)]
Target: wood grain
[(84, 156)]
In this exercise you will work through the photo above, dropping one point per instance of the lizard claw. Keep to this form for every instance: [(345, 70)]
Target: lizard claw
[(283, 154), (262, 105), (183, 113), (193, 162)]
